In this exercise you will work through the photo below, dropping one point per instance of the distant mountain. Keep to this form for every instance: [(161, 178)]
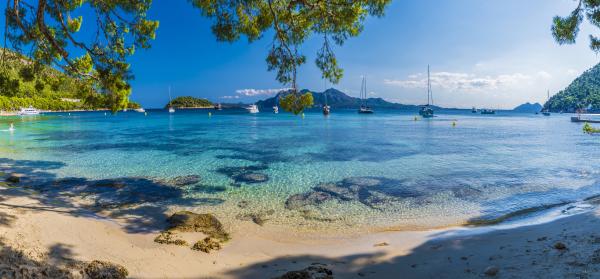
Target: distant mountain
[(528, 107), (583, 92), (337, 99)]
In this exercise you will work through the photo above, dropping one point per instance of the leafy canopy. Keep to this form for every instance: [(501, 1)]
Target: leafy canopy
[(565, 29), (50, 28), (292, 22)]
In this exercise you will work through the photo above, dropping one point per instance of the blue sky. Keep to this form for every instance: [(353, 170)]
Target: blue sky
[(494, 53)]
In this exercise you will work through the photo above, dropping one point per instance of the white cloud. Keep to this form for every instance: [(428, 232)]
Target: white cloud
[(249, 92), (544, 75), (572, 72), (461, 81)]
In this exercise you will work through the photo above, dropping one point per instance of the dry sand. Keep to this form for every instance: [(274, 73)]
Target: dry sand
[(46, 231)]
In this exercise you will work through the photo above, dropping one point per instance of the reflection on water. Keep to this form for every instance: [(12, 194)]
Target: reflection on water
[(345, 170)]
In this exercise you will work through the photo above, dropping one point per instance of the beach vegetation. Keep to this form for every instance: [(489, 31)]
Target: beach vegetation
[(588, 129)]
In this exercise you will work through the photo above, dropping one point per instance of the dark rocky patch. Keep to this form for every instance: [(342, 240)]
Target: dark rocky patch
[(248, 174), (185, 180), (258, 218), (206, 245), (371, 191), (105, 270), (311, 272), (14, 178), (168, 238), (186, 221)]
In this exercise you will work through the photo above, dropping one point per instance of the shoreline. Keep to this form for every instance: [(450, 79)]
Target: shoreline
[(39, 225)]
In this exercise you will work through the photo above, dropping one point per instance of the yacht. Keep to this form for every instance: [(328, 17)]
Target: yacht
[(275, 109), (426, 110), (363, 98), (326, 108), (546, 111), (474, 110), (29, 111), (218, 106), (488, 111), (140, 110), (252, 109), (171, 109)]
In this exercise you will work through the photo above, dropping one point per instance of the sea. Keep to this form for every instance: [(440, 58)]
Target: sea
[(390, 170)]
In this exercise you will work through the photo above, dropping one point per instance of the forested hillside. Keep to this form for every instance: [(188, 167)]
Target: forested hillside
[(24, 83), (582, 93)]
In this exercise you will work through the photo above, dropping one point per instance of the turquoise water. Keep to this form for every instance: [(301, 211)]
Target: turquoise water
[(343, 171)]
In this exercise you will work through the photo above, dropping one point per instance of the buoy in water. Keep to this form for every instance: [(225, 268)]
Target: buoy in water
[(303, 115), (209, 114), (416, 118), (145, 114), (11, 127)]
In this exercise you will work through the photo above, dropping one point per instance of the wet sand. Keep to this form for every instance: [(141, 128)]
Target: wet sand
[(47, 230)]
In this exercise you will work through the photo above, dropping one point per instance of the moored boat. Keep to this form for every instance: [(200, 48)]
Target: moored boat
[(488, 111), (252, 109), (29, 111), (426, 110), (364, 108)]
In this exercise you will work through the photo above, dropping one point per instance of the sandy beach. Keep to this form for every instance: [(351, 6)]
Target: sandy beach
[(47, 232)]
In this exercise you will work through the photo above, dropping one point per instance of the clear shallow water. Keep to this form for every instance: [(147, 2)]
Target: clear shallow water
[(343, 171)]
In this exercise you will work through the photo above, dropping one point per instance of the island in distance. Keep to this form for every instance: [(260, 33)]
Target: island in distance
[(528, 107), (337, 99)]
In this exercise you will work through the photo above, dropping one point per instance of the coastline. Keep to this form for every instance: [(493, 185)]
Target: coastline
[(48, 229)]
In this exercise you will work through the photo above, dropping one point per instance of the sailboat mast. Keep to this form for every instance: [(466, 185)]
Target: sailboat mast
[(428, 86)]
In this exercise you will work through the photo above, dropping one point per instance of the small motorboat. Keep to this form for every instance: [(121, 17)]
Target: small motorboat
[(218, 106), (275, 109), (171, 110), (29, 111), (252, 109), (139, 110)]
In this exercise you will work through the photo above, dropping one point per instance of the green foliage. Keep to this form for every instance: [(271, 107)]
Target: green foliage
[(588, 129), (296, 103), (293, 22), (566, 29), (189, 102), (49, 27), (582, 93), (24, 83), (15, 103)]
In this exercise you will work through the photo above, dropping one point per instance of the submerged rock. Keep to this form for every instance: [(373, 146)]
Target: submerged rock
[(560, 246), (248, 174), (186, 221), (258, 218), (206, 245), (185, 180), (105, 270), (252, 177), (370, 191), (491, 270), (311, 272), (14, 178)]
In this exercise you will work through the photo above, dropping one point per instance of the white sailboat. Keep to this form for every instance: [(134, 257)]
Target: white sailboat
[(252, 108), (426, 110), (363, 98), (171, 109), (546, 112)]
